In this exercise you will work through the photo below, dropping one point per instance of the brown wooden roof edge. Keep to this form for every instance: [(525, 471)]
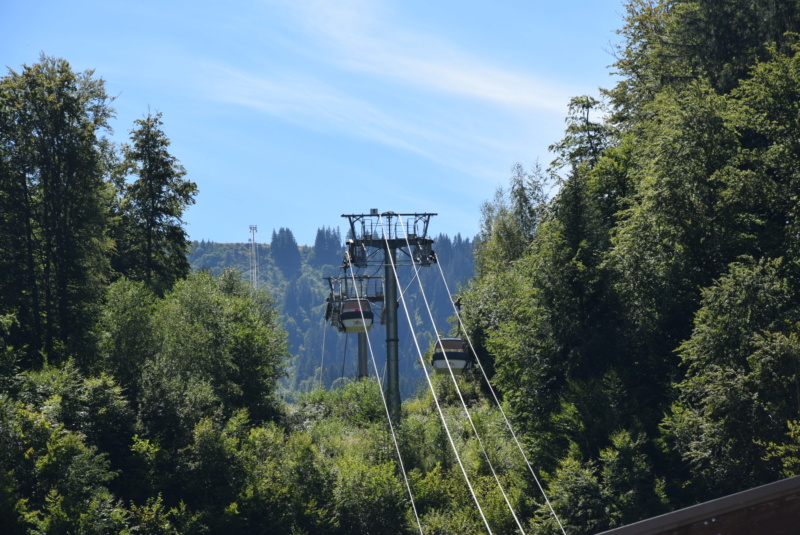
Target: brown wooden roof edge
[(710, 509)]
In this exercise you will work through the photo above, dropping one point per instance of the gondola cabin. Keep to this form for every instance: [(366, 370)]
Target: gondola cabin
[(453, 352), (356, 316)]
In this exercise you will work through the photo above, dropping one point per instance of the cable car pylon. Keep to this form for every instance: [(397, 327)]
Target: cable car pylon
[(403, 240)]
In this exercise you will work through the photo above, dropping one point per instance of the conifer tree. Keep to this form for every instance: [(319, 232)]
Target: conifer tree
[(284, 251), (152, 245)]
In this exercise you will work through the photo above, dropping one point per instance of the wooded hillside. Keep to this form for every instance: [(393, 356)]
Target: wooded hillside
[(301, 296)]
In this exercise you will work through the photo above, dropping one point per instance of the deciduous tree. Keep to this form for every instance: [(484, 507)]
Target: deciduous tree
[(53, 204)]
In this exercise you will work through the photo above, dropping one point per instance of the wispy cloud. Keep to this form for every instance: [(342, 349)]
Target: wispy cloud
[(359, 35), (356, 73), (310, 102), (313, 104)]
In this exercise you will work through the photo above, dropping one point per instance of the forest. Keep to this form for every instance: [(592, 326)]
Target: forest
[(637, 330)]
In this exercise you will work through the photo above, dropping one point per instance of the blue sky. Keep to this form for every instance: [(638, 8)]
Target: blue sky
[(291, 113)]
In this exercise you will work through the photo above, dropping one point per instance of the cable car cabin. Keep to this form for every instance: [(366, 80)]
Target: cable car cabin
[(355, 316), (457, 353)]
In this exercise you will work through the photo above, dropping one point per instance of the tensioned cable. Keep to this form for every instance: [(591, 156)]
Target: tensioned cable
[(386, 408), (458, 389), (374, 273), (430, 384), (497, 401)]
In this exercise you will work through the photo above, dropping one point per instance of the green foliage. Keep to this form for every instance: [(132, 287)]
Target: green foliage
[(669, 243), (9, 357), (93, 407), (356, 404), (152, 518), (288, 487), (127, 339), (151, 241), (328, 247), (214, 469), (614, 489), (628, 480), (510, 221), (766, 116), (669, 43), (584, 140), (54, 479), (742, 363), (53, 242), (369, 498), (788, 451), (577, 497), (220, 349)]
